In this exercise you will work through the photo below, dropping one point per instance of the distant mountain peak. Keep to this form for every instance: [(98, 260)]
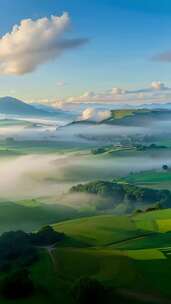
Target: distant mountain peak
[(14, 106)]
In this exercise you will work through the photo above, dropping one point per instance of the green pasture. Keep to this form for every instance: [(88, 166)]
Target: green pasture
[(100, 230)]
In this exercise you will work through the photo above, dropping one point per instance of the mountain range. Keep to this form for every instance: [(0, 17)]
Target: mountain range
[(13, 106)]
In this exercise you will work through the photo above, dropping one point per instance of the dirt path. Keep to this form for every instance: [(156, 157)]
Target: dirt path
[(49, 250)]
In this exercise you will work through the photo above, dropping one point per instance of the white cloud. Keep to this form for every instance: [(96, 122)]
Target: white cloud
[(57, 103), (158, 85), (117, 91), (95, 115), (33, 43), (61, 83), (157, 91), (88, 114)]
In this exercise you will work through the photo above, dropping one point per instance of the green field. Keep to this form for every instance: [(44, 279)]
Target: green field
[(127, 269), (125, 252), (159, 221), (108, 230), (120, 114), (130, 253), (154, 179), (100, 230)]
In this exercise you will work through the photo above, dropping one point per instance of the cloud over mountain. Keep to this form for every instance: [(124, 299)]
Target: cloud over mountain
[(33, 43), (95, 115)]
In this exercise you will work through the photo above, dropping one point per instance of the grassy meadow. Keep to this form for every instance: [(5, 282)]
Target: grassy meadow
[(137, 246)]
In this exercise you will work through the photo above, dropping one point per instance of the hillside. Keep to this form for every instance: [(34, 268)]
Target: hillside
[(31, 215), (139, 231), (129, 255), (100, 230), (13, 106), (137, 116), (134, 117), (136, 246), (127, 197)]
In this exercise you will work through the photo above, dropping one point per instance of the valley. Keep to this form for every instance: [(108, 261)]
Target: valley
[(85, 152), (106, 188)]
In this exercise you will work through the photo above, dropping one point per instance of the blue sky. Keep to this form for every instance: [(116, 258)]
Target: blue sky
[(122, 36)]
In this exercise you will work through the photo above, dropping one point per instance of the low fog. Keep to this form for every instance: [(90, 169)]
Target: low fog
[(36, 176), (50, 176), (81, 133)]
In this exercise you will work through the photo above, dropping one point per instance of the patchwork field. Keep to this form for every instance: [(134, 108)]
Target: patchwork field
[(140, 249), (100, 230)]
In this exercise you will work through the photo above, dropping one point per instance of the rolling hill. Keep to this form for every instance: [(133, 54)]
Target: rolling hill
[(130, 117), (30, 215), (137, 116), (126, 196), (138, 246), (129, 255)]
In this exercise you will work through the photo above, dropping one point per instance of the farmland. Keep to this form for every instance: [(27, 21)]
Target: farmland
[(136, 250)]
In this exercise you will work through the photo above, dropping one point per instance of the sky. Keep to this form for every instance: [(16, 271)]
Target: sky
[(91, 50)]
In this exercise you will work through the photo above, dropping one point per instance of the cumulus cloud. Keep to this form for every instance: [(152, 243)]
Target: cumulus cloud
[(33, 43), (95, 115), (156, 91), (158, 85)]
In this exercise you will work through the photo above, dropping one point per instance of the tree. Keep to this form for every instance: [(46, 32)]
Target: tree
[(17, 285), (87, 290), (46, 236), (16, 247), (165, 167), (138, 211)]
